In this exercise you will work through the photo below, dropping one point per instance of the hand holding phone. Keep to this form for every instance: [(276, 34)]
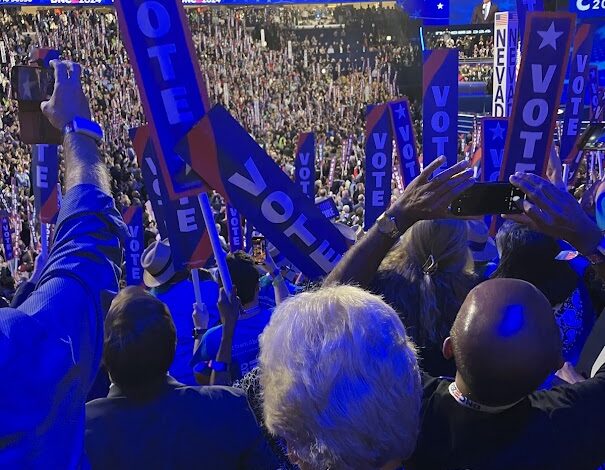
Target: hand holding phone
[(259, 249), (488, 198)]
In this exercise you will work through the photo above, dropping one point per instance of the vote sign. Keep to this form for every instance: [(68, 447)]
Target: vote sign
[(538, 94), (379, 163), (304, 163), (7, 239), (133, 218), (440, 106), (405, 140), (180, 221), (45, 169), (173, 94), (248, 178), (493, 136)]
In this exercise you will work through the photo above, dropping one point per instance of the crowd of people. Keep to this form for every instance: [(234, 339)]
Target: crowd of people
[(429, 345), (475, 46), (313, 79)]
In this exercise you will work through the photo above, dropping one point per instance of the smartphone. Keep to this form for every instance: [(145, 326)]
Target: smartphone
[(30, 85), (593, 138), (259, 249), (488, 198)]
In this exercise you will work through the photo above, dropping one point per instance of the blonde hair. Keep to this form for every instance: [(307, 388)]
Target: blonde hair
[(340, 379), (427, 276)]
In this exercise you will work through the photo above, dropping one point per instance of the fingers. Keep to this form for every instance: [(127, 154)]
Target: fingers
[(454, 182), (537, 189), (455, 187), (451, 171), (60, 71), (75, 71), (424, 176)]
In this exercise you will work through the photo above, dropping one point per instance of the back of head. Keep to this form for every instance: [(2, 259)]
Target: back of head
[(244, 275), (140, 340), (436, 265), (530, 256), (346, 394), (505, 341)]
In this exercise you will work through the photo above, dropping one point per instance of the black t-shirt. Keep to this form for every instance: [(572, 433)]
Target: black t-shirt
[(561, 428)]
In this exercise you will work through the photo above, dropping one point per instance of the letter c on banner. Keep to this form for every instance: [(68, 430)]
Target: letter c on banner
[(160, 15)]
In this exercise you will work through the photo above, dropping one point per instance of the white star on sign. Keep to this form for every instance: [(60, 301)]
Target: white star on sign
[(497, 132), (400, 111), (549, 37), (440, 6), (26, 90)]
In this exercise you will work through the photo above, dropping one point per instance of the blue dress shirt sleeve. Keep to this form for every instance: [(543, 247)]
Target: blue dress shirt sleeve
[(50, 347)]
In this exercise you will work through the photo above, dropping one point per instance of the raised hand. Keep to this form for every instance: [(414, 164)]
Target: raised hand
[(68, 100), (426, 198), (555, 212)]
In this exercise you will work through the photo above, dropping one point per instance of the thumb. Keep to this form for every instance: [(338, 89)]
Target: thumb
[(44, 106)]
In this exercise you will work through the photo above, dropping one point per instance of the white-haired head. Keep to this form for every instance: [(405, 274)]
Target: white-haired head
[(340, 380)]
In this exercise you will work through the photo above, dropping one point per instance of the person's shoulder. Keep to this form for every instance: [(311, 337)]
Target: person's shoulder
[(218, 398)]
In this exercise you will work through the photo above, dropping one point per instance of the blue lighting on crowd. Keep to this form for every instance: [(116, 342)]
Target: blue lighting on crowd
[(512, 321)]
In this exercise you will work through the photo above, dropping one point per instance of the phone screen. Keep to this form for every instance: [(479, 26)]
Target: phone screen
[(34, 84), (488, 198), (259, 249)]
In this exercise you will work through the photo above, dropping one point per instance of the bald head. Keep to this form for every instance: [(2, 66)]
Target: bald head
[(505, 341)]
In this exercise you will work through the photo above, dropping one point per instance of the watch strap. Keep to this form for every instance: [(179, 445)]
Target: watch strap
[(84, 127)]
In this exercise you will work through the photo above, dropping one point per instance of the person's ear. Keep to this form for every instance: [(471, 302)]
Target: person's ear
[(447, 349)]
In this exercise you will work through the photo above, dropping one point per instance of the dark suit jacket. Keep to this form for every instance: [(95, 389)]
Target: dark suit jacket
[(478, 14), (174, 427)]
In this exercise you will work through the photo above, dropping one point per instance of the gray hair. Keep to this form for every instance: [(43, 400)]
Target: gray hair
[(340, 379)]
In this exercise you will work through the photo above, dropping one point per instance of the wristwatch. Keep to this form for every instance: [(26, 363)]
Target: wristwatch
[(218, 366), (598, 255), (85, 127), (387, 226), (198, 332)]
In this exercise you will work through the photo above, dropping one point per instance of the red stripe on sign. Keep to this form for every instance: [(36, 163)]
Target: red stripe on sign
[(374, 116), (204, 155), (202, 252), (128, 214), (50, 208), (432, 65)]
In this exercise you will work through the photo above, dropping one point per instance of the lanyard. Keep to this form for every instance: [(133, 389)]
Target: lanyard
[(473, 405)]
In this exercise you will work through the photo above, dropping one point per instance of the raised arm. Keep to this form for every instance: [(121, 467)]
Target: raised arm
[(51, 346), (423, 199)]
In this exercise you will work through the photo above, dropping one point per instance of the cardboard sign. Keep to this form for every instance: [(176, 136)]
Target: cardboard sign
[(182, 220), (304, 163), (167, 73), (506, 36), (7, 239), (45, 169), (440, 106), (133, 218), (493, 136), (593, 92), (538, 94), (234, 228), (574, 108), (405, 140), (242, 172), (379, 163), (328, 208)]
